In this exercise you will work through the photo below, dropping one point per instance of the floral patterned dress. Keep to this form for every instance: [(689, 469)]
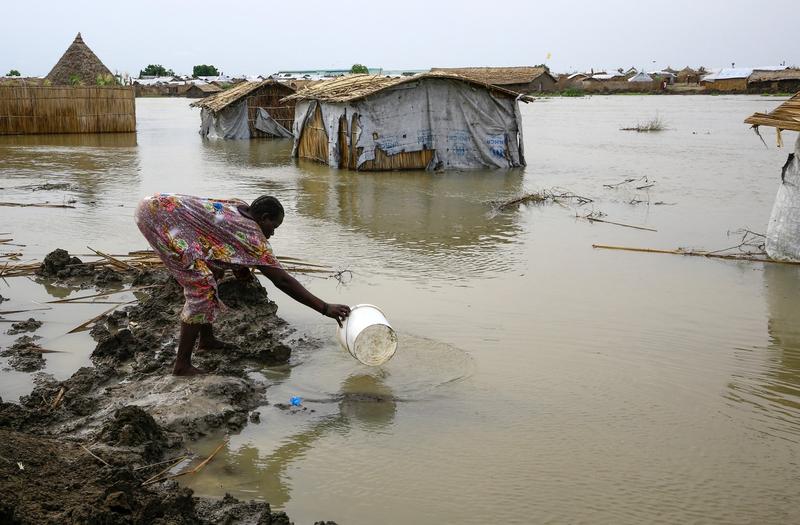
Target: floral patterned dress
[(197, 237)]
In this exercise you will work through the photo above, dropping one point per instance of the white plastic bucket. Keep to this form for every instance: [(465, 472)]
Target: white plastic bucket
[(367, 335)]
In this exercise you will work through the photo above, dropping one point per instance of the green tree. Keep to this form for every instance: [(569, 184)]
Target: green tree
[(155, 70), (204, 70), (13, 73), (359, 68)]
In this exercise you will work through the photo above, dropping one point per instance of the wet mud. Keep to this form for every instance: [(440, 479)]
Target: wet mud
[(130, 411)]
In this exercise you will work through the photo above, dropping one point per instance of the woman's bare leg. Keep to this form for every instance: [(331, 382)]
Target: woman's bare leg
[(183, 363)]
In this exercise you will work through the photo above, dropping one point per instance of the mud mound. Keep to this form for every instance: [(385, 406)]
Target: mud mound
[(133, 427), (58, 263), (31, 325), (59, 482), (25, 355)]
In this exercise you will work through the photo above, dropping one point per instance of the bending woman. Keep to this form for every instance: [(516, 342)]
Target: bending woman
[(198, 239)]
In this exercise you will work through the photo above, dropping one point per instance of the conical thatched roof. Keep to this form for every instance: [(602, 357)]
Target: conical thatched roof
[(78, 60)]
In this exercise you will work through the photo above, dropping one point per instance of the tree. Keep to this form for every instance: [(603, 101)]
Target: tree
[(359, 68), (204, 70), (13, 73), (156, 70)]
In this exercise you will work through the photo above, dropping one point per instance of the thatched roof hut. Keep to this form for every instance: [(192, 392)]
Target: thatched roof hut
[(522, 79), (785, 116), (783, 81), (202, 90), (688, 75), (429, 121), (247, 110), (78, 64)]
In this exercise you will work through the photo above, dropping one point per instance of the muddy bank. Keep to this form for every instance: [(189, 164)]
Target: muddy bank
[(128, 409)]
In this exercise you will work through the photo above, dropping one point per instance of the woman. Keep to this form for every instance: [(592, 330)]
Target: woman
[(198, 238)]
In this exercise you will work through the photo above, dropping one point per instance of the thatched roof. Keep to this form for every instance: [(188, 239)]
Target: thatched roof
[(770, 76), (78, 60), (354, 87), (785, 116), (687, 71), (220, 101), (498, 76)]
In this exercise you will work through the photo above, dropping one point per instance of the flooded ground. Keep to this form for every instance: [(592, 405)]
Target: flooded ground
[(537, 379)]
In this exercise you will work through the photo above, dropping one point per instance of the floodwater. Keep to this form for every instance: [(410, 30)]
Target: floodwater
[(537, 379)]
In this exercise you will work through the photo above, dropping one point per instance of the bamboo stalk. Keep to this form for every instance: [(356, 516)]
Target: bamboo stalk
[(195, 470), (112, 259), (35, 205), (138, 288), (94, 319), (694, 254), (58, 398), (104, 462), (171, 460), (592, 219)]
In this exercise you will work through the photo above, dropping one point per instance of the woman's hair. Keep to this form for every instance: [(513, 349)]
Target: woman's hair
[(266, 205)]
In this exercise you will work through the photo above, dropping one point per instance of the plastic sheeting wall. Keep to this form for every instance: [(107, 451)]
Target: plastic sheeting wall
[(230, 123), (783, 230), (466, 126)]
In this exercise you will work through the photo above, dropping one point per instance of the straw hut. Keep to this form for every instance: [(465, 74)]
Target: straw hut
[(784, 81), (783, 230), (523, 79), (201, 90), (729, 80), (688, 75), (74, 104), (248, 110), (428, 121), (78, 65)]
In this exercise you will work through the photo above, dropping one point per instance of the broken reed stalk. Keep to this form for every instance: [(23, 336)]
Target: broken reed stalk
[(171, 460), (136, 289), (104, 462), (709, 255), (96, 318), (195, 470), (592, 219), (58, 399), (113, 260), (35, 205)]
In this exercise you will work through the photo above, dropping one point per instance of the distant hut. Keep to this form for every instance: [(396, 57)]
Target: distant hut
[(783, 81), (728, 80), (201, 90), (524, 79), (79, 65), (687, 75), (248, 110), (783, 230), (641, 77), (428, 121)]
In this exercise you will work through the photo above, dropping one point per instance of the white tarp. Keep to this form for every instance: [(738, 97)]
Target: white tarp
[(783, 230), (264, 122), (467, 126), (230, 123)]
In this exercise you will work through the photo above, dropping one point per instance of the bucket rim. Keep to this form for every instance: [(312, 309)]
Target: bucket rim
[(367, 304)]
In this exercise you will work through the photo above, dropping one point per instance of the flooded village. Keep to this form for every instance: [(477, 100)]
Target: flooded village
[(589, 276)]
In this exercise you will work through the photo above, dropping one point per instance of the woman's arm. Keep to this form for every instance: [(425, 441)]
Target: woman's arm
[(292, 287)]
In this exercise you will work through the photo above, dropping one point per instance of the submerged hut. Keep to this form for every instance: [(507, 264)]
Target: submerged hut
[(248, 110), (82, 98), (783, 81), (428, 121), (522, 79), (783, 230), (79, 65)]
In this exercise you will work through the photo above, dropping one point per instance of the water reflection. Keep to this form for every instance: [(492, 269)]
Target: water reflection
[(770, 382), (248, 153), (363, 399), (90, 164), (431, 211)]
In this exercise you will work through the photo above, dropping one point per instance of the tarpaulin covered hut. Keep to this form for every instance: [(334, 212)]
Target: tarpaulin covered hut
[(783, 230), (247, 110), (427, 121)]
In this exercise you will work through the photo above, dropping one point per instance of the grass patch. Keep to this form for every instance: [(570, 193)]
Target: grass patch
[(654, 124)]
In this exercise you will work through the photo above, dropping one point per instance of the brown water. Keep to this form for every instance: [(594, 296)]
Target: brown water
[(537, 380)]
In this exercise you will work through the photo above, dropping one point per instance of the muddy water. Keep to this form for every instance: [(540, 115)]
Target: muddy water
[(537, 379)]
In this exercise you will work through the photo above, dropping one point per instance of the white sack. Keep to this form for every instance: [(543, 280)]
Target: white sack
[(783, 230)]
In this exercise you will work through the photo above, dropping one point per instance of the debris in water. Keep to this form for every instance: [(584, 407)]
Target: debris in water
[(296, 401)]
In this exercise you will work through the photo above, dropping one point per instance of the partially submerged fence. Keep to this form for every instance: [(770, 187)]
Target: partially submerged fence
[(66, 109)]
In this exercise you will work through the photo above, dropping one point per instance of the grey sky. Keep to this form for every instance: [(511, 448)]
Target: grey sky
[(261, 37)]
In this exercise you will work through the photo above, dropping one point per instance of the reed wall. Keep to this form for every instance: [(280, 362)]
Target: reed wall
[(269, 98), (28, 110)]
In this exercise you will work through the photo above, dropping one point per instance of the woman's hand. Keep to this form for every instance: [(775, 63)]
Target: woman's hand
[(340, 312)]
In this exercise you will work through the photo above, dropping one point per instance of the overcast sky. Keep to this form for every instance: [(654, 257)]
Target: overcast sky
[(262, 37)]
